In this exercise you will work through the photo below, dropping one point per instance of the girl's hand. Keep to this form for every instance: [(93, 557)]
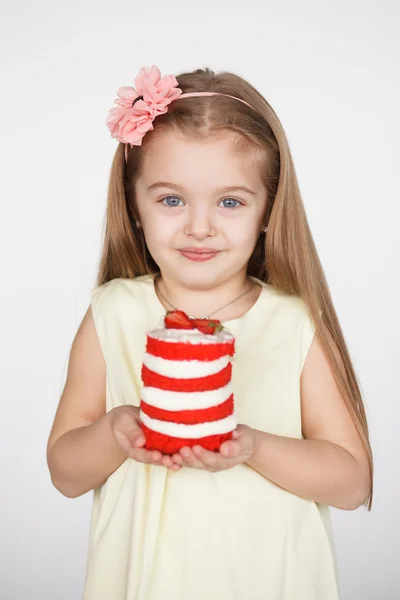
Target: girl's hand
[(128, 434), (233, 452)]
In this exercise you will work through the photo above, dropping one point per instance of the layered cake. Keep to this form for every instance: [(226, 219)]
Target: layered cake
[(187, 395)]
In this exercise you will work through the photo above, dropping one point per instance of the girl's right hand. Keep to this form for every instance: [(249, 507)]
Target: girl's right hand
[(128, 434)]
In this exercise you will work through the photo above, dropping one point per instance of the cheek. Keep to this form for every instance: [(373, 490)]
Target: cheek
[(241, 236), (159, 236)]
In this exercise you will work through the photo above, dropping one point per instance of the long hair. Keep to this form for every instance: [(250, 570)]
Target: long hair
[(286, 257)]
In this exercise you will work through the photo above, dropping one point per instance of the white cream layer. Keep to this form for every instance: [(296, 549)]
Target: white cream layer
[(178, 430), (184, 369), (167, 400), (192, 336)]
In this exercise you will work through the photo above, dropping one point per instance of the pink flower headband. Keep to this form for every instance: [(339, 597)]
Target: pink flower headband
[(137, 108)]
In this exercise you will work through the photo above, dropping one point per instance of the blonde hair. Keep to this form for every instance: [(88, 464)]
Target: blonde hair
[(286, 258)]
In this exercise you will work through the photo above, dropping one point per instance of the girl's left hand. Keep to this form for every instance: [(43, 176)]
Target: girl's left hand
[(233, 452)]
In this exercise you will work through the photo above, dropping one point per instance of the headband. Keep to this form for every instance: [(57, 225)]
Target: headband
[(137, 108)]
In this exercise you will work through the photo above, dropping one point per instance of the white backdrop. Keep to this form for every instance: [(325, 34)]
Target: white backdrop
[(331, 71)]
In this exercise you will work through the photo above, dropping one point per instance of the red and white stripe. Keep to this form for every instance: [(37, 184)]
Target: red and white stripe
[(190, 369), (187, 396)]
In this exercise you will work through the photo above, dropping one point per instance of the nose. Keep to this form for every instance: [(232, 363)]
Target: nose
[(200, 223)]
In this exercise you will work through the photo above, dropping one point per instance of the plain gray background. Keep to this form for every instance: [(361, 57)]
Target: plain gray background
[(331, 72)]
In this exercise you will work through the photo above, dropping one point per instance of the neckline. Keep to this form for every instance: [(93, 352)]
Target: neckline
[(229, 322)]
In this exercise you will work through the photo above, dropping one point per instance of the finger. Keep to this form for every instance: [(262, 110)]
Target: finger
[(138, 440), (177, 459), (190, 459), (147, 456), (123, 441), (164, 460), (211, 460), (167, 461), (175, 467), (127, 443), (230, 449)]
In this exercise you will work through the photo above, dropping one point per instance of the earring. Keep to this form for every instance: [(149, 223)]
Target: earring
[(137, 225), (263, 231)]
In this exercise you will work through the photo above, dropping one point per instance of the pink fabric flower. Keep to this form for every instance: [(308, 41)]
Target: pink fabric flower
[(129, 123)]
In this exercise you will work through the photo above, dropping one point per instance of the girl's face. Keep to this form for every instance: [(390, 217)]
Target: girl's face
[(200, 196)]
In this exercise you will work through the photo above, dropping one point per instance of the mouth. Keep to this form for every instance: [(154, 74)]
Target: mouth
[(200, 250), (198, 254)]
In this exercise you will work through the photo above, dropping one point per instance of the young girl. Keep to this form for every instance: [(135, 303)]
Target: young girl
[(205, 215)]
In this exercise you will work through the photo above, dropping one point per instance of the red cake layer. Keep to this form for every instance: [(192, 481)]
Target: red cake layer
[(188, 351), (200, 384), (190, 417), (172, 445)]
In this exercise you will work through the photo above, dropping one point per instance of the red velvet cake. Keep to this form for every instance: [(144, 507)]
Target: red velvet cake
[(187, 395)]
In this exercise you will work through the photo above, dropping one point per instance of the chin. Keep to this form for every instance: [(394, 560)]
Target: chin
[(199, 276)]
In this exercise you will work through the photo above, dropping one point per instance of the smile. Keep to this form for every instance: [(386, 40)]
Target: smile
[(199, 255)]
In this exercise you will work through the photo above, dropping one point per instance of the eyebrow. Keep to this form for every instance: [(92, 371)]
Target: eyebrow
[(230, 188)]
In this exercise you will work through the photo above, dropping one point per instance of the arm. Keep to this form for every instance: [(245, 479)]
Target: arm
[(316, 469), (81, 450), (86, 444), (329, 466), (84, 457)]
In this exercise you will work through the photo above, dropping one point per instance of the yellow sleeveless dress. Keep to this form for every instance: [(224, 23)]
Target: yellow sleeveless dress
[(190, 534)]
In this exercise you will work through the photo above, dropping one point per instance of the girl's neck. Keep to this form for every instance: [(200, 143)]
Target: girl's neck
[(203, 301)]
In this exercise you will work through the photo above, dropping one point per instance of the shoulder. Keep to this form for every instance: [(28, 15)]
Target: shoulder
[(289, 318), (293, 309), (121, 298), (121, 289)]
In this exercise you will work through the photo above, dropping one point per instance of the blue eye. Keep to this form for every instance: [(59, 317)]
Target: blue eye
[(229, 201), (175, 201)]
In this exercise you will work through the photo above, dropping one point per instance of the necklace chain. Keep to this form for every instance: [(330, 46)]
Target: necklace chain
[(211, 313)]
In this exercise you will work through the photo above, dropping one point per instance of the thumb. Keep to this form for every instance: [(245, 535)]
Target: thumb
[(138, 439), (228, 450)]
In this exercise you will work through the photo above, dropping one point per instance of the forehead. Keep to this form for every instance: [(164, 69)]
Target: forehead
[(200, 163)]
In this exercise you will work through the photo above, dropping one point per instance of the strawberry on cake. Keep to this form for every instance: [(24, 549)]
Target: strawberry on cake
[(187, 397)]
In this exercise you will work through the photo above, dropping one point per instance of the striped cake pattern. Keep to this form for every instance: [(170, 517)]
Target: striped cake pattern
[(187, 395)]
